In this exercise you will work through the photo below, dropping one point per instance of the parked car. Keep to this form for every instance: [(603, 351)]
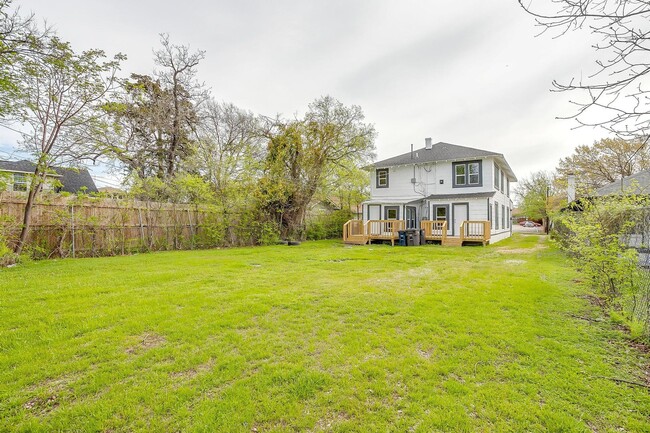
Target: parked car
[(529, 224)]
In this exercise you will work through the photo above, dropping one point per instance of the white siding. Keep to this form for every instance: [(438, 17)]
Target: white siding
[(428, 178)]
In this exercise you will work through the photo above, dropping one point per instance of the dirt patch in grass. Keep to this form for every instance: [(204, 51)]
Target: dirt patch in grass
[(42, 405), (506, 250), (514, 262), (146, 341), (327, 422), (193, 372)]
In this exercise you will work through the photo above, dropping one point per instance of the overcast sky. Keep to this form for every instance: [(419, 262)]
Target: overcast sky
[(470, 73)]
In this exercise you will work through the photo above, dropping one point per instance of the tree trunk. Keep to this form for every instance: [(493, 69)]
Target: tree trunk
[(31, 197)]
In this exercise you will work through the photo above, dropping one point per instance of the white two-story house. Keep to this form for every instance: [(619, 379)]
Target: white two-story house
[(443, 182)]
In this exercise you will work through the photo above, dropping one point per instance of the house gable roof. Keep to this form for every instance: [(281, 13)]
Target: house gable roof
[(442, 151), (72, 179), (638, 183)]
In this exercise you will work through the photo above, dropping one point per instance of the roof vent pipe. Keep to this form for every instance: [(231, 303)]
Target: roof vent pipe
[(411, 150), (427, 143)]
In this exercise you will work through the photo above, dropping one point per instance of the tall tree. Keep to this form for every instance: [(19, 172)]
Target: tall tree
[(615, 96), (228, 156), (155, 119), (603, 162), (20, 38), (177, 74), (141, 128), (60, 96), (303, 153), (538, 196)]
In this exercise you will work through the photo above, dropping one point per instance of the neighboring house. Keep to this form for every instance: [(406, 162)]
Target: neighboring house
[(62, 179), (442, 182), (638, 184)]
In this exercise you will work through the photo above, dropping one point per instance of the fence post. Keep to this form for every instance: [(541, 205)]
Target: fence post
[(189, 219), (141, 228), (72, 229)]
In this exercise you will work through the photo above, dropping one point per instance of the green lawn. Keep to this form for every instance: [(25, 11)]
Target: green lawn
[(318, 337)]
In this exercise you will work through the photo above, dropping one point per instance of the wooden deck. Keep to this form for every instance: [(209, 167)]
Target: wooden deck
[(360, 233)]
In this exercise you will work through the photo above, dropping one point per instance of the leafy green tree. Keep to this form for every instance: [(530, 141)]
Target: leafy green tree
[(155, 119), (228, 154), (304, 153), (538, 196), (20, 38), (59, 110)]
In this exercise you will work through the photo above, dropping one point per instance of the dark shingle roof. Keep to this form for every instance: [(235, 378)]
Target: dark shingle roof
[(21, 166), (443, 152), (438, 152), (72, 179), (638, 183)]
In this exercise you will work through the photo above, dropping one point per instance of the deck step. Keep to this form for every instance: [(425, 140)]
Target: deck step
[(452, 242), (356, 240)]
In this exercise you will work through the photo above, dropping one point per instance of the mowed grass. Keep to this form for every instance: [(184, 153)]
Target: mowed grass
[(318, 337)]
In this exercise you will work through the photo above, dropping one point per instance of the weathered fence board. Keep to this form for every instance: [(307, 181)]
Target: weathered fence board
[(88, 226)]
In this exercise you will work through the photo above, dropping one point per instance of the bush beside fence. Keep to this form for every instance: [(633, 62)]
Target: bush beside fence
[(85, 226)]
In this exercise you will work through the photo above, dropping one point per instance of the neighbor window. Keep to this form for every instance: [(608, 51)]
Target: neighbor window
[(382, 178), (496, 176), (496, 216), (503, 216), (502, 182), (20, 182), (467, 174)]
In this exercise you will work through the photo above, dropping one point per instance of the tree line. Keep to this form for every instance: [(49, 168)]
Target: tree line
[(168, 135)]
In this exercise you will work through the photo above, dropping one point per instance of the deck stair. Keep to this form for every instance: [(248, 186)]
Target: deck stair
[(453, 241)]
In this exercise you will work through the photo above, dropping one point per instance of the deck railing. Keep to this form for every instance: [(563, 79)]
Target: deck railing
[(360, 232), (434, 230), (353, 230), (475, 231), (384, 228)]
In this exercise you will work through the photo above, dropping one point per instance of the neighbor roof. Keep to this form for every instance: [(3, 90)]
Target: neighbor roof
[(638, 183), (443, 152), (73, 179)]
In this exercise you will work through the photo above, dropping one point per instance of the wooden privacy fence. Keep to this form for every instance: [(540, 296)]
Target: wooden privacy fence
[(88, 226)]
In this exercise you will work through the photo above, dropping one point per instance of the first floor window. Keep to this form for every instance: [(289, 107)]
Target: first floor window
[(496, 216), (503, 216), (382, 178), (20, 182)]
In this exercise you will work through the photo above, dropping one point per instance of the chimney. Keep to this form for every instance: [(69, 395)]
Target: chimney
[(571, 187), (427, 143)]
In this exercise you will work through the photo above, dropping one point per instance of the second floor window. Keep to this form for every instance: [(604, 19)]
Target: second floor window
[(467, 174), (382, 178)]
